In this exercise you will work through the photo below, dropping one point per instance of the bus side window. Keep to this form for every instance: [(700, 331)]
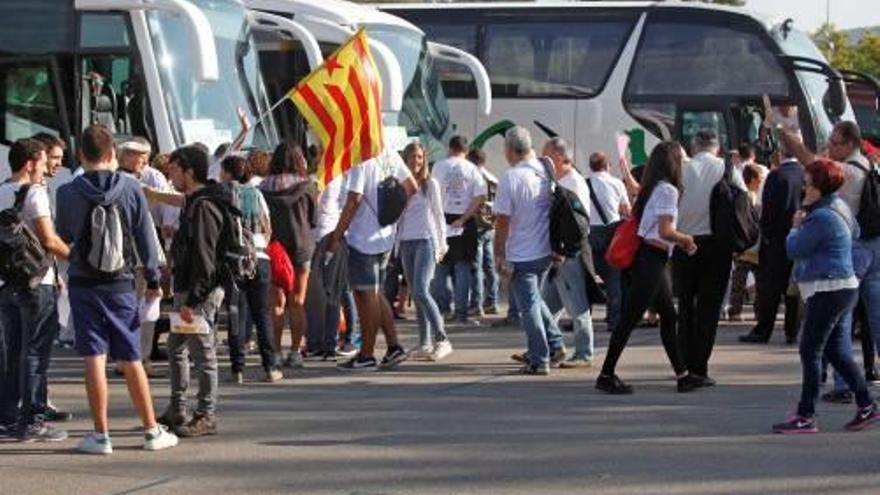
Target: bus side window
[(458, 82), (29, 102)]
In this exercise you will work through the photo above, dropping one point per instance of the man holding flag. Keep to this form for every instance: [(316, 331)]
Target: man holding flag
[(341, 101)]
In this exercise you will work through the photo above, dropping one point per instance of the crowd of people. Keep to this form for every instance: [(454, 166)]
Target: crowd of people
[(253, 237)]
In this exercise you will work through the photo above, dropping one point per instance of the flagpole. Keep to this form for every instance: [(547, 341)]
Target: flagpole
[(269, 111)]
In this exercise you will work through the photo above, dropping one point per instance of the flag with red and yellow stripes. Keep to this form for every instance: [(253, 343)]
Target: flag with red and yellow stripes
[(342, 102)]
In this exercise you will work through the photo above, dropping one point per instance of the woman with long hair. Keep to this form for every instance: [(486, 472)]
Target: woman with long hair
[(292, 197), (422, 238), (656, 210), (820, 243)]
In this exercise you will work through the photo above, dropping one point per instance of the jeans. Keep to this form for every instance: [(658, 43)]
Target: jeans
[(600, 236), (250, 304), (647, 285), (541, 331), (824, 328), (701, 281), (461, 277), (322, 311), (484, 285), (29, 323), (866, 262), (202, 348), (352, 323), (566, 288), (417, 257)]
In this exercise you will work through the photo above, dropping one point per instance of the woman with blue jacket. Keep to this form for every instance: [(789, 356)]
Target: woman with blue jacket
[(820, 243)]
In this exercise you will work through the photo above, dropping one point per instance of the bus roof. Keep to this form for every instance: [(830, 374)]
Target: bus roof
[(338, 11), (765, 20)]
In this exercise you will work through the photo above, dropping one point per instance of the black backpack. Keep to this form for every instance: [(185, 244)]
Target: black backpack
[(236, 252), (735, 222), (869, 204), (569, 220), (23, 261), (391, 198)]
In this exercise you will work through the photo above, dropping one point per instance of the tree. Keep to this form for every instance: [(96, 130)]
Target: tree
[(835, 44)]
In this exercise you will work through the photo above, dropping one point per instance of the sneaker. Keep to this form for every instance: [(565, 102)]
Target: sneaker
[(478, 312), (706, 381), (531, 369), (449, 317), (294, 360), (423, 353), (865, 417), (309, 354), (491, 310), (274, 375), (55, 415), (689, 383), (358, 364), (522, 357), (871, 376), (346, 351), (40, 432), (200, 425), (393, 357), (735, 317), (467, 322), (557, 356), (797, 425), (237, 378), (441, 350), (161, 439), (838, 397), (94, 443), (7, 430), (575, 362), (173, 419), (613, 385)]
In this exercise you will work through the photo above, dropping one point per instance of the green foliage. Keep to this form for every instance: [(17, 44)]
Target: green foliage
[(837, 47)]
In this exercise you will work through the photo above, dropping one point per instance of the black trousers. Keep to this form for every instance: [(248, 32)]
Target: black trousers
[(700, 283), (774, 272), (646, 284)]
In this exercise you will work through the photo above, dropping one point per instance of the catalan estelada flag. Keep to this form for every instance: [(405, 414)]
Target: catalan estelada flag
[(342, 102)]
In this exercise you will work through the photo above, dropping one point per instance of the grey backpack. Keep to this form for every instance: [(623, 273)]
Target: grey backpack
[(105, 245)]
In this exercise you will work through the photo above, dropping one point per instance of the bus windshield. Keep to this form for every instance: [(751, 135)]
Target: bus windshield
[(797, 43), (425, 112), (206, 112)]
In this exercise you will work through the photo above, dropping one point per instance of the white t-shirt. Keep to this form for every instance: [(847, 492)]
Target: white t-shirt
[(575, 182), (699, 176), (417, 221), (62, 176), (460, 182), (365, 234), (524, 195), (610, 194), (330, 207), (36, 205), (854, 181), (663, 202)]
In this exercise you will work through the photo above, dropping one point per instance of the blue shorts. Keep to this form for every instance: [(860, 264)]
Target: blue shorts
[(366, 272), (106, 322)]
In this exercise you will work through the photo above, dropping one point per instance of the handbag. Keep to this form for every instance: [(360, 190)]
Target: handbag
[(282, 268), (624, 245)]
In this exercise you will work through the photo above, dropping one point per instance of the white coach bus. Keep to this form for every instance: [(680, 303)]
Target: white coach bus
[(173, 71), (588, 71), (294, 35)]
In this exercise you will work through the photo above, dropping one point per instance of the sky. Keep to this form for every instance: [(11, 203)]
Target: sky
[(810, 14)]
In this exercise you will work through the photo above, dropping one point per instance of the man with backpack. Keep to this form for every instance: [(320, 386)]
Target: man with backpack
[(701, 279), (106, 217), (28, 315), (522, 247), (566, 285), (368, 223), (195, 256), (463, 191)]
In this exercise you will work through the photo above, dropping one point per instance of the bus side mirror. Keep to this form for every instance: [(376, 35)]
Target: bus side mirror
[(835, 97)]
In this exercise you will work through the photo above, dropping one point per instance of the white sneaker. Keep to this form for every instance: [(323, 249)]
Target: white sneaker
[(92, 444), (160, 441), (441, 350), (295, 360), (423, 353)]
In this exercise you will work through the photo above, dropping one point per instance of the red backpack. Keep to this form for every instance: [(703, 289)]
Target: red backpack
[(282, 268), (626, 241)]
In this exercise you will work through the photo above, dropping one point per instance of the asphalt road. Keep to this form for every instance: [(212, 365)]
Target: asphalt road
[(468, 425)]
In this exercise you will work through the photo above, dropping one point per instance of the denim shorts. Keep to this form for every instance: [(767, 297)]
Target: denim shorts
[(106, 322), (366, 272)]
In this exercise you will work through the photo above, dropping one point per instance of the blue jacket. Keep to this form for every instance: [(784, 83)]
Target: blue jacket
[(75, 200), (822, 246)]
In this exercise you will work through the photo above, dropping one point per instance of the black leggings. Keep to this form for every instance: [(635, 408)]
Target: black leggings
[(646, 284)]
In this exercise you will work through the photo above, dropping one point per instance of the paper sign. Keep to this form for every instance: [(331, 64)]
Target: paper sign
[(149, 309), (198, 326), (622, 145)]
